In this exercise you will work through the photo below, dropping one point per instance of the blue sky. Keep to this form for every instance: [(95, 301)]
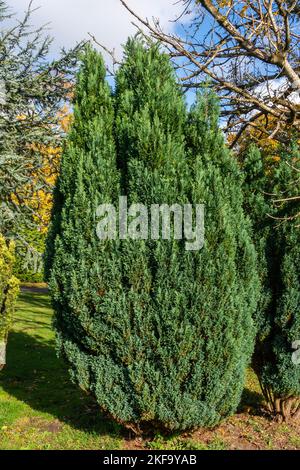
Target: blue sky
[(70, 21)]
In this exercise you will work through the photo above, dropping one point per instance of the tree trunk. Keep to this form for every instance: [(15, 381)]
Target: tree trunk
[(283, 409)]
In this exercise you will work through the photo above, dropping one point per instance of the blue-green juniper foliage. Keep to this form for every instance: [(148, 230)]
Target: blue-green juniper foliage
[(271, 199), (161, 336)]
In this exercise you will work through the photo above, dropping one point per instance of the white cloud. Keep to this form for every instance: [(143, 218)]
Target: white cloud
[(72, 20), (275, 89)]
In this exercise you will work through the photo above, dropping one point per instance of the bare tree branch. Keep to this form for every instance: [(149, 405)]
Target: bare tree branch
[(249, 50)]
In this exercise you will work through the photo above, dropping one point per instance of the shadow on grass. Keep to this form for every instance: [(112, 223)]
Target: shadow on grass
[(36, 300), (252, 402), (252, 398), (37, 377)]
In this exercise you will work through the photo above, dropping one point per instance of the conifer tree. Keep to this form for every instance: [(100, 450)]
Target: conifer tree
[(157, 310), (277, 238), (226, 283), (32, 90), (151, 329), (79, 270)]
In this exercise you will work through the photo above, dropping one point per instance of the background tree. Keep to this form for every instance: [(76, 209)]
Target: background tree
[(32, 93), (30, 244), (250, 51), (271, 188), (269, 147)]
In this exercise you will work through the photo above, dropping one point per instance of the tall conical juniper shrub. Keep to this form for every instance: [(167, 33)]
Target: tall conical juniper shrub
[(226, 283), (149, 328), (162, 347), (277, 237), (82, 272)]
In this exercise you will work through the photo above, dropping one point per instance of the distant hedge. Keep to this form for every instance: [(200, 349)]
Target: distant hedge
[(28, 265), (9, 289)]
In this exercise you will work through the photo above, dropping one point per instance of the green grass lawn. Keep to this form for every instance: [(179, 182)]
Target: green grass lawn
[(39, 406), (41, 409)]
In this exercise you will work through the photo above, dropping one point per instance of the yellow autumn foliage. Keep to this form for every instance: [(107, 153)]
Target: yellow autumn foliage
[(41, 200), (269, 146)]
